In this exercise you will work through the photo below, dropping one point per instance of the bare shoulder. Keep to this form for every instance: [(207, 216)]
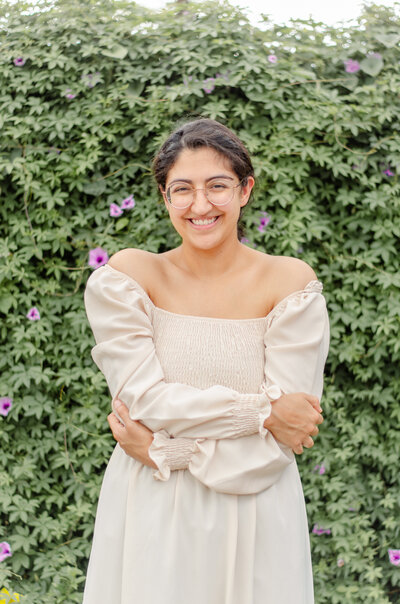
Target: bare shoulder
[(138, 264), (288, 275)]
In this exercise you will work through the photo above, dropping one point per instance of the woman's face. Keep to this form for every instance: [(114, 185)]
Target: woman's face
[(203, 224)]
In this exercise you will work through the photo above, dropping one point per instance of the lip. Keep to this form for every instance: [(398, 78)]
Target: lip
[(203, 227)]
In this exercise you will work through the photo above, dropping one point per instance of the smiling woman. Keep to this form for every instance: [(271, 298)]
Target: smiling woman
[(214, 355)]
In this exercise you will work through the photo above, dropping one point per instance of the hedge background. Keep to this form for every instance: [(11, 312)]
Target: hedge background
[(88, 90)]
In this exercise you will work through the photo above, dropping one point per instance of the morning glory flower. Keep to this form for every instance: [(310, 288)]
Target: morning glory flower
[(69, 94), (33, 314), (115, 210), (5, 405), (208, 85), (320, 468), (128, 203), (97, 257), (244, 240), (5, 550), (394, 556), (91, 79), (388, 172), (317, 530), (352, 66), (272, 58), (264, 221), (19, 61)]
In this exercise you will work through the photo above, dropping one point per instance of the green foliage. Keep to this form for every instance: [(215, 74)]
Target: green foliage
[(326, 150)]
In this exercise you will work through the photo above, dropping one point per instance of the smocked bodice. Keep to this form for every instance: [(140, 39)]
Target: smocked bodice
[(204, 351)]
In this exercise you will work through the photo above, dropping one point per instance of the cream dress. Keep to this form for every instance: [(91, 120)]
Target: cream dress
[(222, 520)]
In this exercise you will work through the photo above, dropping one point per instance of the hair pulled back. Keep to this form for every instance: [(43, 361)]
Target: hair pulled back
[(203, 132)]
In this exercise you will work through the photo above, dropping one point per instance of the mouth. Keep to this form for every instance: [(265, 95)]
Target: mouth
[(203, 223)]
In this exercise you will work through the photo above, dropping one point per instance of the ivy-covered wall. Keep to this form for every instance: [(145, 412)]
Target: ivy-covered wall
[(88, 90)]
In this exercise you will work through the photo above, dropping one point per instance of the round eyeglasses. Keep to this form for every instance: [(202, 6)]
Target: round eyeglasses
[(219, 192)]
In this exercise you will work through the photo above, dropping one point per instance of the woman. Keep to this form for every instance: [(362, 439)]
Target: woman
[(214, 355)]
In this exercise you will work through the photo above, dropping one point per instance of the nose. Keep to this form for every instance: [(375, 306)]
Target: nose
[(201, 204)]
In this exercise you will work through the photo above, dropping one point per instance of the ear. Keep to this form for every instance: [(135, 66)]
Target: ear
[(246, 191)]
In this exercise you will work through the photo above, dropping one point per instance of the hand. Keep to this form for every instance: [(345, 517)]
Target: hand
[(294, 419), (134, 438)]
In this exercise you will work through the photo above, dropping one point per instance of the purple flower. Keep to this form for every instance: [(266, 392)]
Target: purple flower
[(388, 172), (394, 556), (69, 94), (208, 85), (272, 58), (264, 221), (352, 66), (317, 530), (115, 210), (19, 61), (5, 550), (244, 240), (225, 75), (33, 314), (5, 405), (97, 257), (91, 79), (320, 468), (128, 203)]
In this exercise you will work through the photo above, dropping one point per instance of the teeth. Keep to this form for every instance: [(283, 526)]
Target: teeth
[(200, 222)]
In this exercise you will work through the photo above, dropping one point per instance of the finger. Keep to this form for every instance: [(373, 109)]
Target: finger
[(318, 419), (115, 425), (314, 432), (121, 409), (314, 401), (308, 442), (298, 450)]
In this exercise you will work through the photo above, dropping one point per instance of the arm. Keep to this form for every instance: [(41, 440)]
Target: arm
[(296, 342), (120, 316)]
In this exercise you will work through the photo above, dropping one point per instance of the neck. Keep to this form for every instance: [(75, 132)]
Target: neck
[(213, 263)]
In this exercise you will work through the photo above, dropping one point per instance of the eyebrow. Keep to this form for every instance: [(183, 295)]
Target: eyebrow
[(211, 178)]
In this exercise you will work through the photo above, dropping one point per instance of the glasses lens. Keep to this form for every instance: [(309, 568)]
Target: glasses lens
[(218, 192), (180, 195)]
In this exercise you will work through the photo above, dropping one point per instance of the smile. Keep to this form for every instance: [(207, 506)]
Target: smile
[(203, 222)]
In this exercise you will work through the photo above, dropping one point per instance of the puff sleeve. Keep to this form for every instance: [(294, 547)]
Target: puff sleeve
[(119, 314), (296, 346)]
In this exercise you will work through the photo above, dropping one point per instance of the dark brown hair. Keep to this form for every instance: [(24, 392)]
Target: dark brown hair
[(199, 133)]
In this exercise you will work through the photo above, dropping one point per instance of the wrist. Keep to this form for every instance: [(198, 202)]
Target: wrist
[(269, 422)]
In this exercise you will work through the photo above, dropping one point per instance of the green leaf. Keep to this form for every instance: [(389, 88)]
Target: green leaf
[(389, 39), (121, 223), (115, 52), (371, 65), (95, 188)]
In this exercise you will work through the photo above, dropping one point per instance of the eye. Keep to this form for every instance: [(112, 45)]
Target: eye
[(180, 189), (218, 186)]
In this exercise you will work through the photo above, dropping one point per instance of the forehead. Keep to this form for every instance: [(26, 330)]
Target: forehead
[(199, 164)]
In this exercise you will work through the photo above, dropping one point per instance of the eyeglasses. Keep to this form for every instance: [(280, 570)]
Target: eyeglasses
[(218, 192)]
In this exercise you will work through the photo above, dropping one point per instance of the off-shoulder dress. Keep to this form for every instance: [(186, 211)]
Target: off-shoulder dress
[(222, 520)]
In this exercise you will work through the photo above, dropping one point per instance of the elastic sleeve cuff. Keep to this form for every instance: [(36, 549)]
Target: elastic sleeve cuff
[(170, 454), (250, 415)]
